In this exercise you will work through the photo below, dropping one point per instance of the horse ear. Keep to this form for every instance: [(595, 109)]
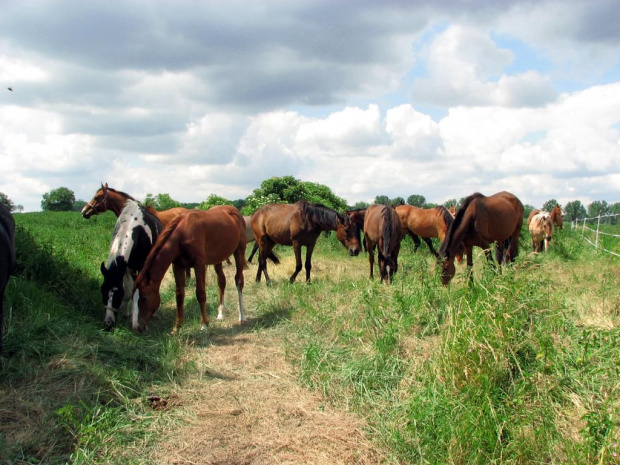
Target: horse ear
[(104, 270)]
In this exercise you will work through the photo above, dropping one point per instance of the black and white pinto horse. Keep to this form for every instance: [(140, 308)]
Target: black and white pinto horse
[(7, 257), (135, 232)]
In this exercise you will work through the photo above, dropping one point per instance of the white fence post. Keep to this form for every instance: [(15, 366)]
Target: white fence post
[(598, 230)]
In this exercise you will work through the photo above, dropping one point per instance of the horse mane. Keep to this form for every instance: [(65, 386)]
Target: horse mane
[(456, 223), (320, 215), (121, 193), (157, 246), (444, 214)]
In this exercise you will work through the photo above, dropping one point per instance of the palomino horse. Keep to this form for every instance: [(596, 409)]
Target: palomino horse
[(7, 257), (480, 221), (299, 224), (192, 240), (107, 198), (135, 233), (383, 229), (424, 223), (557, 217), (540, 227)]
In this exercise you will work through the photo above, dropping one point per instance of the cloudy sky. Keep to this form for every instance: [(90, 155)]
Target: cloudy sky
[(192, 98)]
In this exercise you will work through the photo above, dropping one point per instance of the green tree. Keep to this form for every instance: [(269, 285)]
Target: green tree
[(527, 209), (8, 203), (58, 200), (212, 201), (416, 200), (397, 201), (78, 205), (574, 210), (598, 207), (382, 199), (549, 204), (360, 205), (448, 203)]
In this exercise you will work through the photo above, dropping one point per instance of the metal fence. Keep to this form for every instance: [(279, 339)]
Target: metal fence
[(593, 233)]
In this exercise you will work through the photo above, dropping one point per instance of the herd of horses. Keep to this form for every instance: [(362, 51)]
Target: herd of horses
[(146, 242)]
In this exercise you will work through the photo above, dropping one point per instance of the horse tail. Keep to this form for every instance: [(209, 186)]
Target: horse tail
[(456, 223), (444, 215), (157, 246), (386, 215)]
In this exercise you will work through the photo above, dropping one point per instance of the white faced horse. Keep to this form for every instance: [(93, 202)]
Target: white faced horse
[(541, 228)]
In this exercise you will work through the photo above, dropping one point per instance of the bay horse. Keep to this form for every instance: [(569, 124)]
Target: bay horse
[(107, 198), (541, 228), (299, 224), (425, 223), (7, 258), (557, 217), (383, 229), (194, 239), (135, 232), (480, 221)]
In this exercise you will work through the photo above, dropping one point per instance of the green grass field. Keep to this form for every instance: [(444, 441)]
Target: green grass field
[(521, 367)]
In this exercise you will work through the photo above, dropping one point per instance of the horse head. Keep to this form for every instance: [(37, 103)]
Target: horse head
[(98, 204), (112, 289), (146, 301), (448, 270), (348, 233)]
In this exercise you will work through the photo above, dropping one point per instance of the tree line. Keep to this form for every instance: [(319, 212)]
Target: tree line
[(288, 189)]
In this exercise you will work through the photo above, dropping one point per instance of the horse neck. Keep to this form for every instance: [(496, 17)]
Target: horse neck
[(116, 201), (455, 236)]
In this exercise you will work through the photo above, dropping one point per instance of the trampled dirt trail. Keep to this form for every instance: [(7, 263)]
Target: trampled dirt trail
[(247, 407)]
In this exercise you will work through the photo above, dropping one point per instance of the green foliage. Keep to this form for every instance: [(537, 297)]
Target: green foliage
[(212, 201), (417, 200), (450, 202), (360, 206), (6, 201), (598, 207), (527, 209), (549, 204), (78, 205), (161, 202), (288, 189), (382, 200), (58, 200), (574, 210)]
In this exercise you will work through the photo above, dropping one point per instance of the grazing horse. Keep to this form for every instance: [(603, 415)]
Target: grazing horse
[(299, 224), (557, 217), (107, 198), (541, 228), (7, 257), (135, 232), (424, 223), (383, 229), (195, 239), (480, 221)]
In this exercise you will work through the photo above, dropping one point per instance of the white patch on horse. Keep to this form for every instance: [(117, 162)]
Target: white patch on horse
[(122, 243), (135, 310)]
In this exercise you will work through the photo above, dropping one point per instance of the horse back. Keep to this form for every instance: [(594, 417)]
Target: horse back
[(279, 221), (498, 216), (166, 216)]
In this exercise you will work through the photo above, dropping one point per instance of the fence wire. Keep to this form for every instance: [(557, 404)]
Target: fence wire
[(598, 223)]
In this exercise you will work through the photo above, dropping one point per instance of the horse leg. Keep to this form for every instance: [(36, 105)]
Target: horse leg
[(240, 281), (429, 242), (470, 263), (416, 241), (371, 258), (265, 248), (221, 284), (180, 275), (297, 250), (254, 249), (308, 264)]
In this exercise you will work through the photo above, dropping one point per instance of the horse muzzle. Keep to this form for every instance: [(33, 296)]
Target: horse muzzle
[(353, 252)]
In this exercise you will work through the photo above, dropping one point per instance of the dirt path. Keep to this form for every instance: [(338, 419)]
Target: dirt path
[(247, 407)]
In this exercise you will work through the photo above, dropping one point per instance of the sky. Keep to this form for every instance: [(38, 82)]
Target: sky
[(438, 98)]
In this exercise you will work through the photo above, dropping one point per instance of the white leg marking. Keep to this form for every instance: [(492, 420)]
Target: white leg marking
[(241, 307), (135, 311), (220, 312)]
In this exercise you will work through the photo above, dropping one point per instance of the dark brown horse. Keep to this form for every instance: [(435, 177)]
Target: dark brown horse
[(425, 223), (192, 240), (299, 224), (107, 198), (557, 217), (383, 229), (7, 257), (480, 221)]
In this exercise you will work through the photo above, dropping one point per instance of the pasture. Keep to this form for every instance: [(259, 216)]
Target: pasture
[(520, 367)]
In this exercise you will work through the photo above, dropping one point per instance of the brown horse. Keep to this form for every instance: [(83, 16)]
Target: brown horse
[(299, 224), (192, 240), (383, 229), (541, 228), (107, 198), (425, 223), (557, 216), (480, 221), (7, 257)]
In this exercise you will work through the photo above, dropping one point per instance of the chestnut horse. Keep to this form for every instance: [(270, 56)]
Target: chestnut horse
[(557, 216), (541, 228), (299, 224), (480, 221), (383, 229), (135, 232), (424, 223), (107, 198), (7, 257), (192, 240)]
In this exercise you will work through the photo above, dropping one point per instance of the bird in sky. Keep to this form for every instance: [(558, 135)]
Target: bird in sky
[(10, 88)]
